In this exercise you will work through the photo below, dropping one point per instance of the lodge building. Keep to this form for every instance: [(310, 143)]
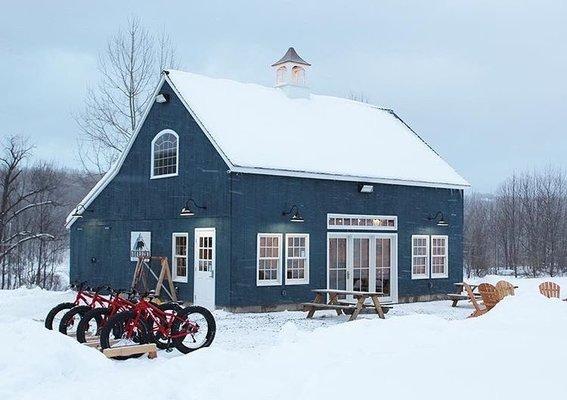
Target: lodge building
[(257, 195)]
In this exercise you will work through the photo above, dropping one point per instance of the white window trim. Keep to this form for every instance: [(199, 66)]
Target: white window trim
[(305, 280), (174, 277), (446, 265), (273, 282), (427, 258), (156, 137), (363, 228)]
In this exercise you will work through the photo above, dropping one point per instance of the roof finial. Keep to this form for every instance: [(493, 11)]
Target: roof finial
[(291, 56)]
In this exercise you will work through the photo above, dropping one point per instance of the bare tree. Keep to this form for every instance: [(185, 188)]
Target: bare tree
[(507, 222), (360, 96), (477, 235), (129, 68), (19, 198)]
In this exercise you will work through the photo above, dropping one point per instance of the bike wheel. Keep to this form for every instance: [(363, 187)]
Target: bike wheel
[(56, 313), (91, 323), (122, 330), (194, 328), (170, 309), (71, 319)]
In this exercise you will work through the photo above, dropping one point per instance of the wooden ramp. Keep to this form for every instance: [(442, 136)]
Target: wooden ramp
[(150, 348), (125, 351)]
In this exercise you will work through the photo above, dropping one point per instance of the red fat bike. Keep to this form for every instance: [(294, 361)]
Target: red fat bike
[(83, 297), (70, 321), (187, 329), (93, 320)]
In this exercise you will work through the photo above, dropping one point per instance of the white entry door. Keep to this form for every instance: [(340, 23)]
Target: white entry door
[(204, 281), (363, 262)]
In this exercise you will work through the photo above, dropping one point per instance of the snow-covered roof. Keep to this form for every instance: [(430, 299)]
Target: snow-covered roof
[(260, 129), (257, 129)]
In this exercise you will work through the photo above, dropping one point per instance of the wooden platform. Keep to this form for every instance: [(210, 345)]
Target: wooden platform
[(94, 342), (124, 351)]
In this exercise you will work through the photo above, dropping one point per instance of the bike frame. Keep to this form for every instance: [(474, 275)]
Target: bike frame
[(145, 310)]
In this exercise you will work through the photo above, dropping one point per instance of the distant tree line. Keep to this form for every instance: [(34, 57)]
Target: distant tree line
[(35, 198), (522, 227)]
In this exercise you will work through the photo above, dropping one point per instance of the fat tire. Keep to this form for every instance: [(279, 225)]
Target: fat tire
[(54, 311), (116, 323), (78, 310), (212, 328), (98, 315)]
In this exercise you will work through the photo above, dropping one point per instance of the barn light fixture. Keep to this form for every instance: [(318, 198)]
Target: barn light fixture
[(187, 211), (439, 218), (162, 98), (295, 215), (365, 188), (79, 210)]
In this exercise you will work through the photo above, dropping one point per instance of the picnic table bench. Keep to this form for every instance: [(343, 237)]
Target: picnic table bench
[(460, 294), (343, 305)]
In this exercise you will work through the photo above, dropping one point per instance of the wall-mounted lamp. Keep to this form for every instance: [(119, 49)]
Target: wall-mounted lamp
[(79, 210), (187, 211), (365, 188), (295, 215), (439, 218), (162, 98)]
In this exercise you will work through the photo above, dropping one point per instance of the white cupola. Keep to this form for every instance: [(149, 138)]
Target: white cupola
[(291, 74)]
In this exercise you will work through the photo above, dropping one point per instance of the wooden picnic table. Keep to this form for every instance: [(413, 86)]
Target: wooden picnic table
[(341, 305), (460, 294)]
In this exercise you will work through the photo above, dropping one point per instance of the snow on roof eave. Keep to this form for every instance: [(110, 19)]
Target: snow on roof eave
[(349, 178), (111, 173)]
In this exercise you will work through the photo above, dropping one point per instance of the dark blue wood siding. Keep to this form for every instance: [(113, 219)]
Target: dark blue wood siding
[(134, 202), (240, 206), (257, 205)]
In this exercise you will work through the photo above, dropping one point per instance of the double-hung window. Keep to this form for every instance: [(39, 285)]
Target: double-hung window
[(420, 257), (429, 256), (297, 259), (439, 260), (269, 259), (179, 244)]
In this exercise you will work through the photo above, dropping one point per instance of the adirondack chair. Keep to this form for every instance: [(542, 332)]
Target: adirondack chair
[(505, 289), (550, 289), (479, 308), (489, 294)]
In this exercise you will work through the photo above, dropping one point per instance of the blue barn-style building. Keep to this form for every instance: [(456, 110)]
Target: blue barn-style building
[(257, 195)]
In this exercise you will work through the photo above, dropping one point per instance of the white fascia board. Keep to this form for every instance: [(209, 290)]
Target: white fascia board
[(111, 173), (350, 178)]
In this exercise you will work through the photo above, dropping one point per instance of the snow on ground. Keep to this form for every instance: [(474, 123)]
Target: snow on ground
[(422, 350)]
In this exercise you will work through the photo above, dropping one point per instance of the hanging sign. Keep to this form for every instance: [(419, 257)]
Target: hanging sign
[(140, 245)]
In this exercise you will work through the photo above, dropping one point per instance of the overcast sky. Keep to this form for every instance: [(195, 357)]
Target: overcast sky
[(484, 82)]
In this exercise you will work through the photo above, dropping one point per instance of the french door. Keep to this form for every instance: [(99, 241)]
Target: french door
[(363, 262)]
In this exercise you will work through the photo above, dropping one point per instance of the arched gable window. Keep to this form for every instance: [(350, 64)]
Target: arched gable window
[(298, 75), (165, 154), (281, 72)]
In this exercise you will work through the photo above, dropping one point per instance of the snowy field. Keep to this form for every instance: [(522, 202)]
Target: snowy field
[(421, 351)]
